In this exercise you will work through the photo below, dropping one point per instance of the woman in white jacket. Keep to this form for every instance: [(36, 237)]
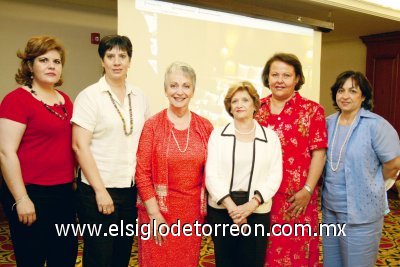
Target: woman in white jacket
[(243, 173)]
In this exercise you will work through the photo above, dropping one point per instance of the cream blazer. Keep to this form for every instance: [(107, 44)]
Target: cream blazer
[(266, 171)]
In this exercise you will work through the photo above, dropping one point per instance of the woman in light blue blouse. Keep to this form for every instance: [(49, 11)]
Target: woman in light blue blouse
[(363, 152)]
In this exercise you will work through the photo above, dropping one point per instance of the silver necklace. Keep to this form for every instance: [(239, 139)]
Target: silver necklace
[(187, 140), (334, 168), (249, 132)]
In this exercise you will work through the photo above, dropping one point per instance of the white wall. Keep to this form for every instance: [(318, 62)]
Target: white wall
[(20, 21), (82, 67)]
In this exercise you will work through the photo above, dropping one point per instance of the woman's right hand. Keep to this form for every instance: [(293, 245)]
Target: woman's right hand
[(159, 219), (104, 202), (26, 212)]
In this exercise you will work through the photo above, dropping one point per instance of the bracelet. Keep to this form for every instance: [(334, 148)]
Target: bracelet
[(19, 201), (258, 201), (308, 189)]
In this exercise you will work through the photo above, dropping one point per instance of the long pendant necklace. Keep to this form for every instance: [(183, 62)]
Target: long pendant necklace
[(121, 116), (334, 168), (52, 111), (187, 140), (187, 136)]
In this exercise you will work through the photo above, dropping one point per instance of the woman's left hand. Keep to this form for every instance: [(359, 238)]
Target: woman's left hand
[(243, 211), (299, 202)]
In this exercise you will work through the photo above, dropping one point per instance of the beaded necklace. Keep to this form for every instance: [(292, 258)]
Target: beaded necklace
[(122, 117), (52, 111), (334, 168)]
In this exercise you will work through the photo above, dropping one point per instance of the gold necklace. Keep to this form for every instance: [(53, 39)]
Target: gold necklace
[(187, 140), (121, 116), (334, 168)]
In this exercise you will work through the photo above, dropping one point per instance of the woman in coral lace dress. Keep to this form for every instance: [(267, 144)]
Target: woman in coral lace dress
[(300, 125), (170, 173)]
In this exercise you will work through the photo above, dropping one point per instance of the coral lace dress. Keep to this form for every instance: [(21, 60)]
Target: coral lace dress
[(185, 172)]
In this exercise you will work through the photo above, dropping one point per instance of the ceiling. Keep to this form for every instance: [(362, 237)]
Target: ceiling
[(347, 23)]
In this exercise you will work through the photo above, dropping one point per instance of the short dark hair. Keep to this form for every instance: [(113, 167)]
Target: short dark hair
[(241, 86), (289, 59), (110, 41), (37, 46), (359, 80)]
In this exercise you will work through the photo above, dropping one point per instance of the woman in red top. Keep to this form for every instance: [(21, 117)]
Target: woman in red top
[(300, 125), (36, 158), (170, 173)]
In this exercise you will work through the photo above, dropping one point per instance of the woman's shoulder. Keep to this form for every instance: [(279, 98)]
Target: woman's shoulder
[(333, 116), (309, 103), (89, 95), (369, 114), (136, 90), (16, 95), (375, 119), (91, 89), (16, 105), (220, 129), (157, 118), (267, 129), (18, 91), (202, 120), (65, 95), (269, 132)]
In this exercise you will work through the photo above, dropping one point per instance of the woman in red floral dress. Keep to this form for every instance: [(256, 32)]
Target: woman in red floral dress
[(300, 125), (170, 173)]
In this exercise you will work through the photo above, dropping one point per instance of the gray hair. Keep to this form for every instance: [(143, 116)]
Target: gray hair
[(183, 67)]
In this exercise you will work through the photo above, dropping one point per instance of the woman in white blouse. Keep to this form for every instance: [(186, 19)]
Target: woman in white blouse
[(107, 122), (243, 173)]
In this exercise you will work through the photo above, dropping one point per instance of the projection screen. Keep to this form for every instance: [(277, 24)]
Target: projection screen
[(221, 47)]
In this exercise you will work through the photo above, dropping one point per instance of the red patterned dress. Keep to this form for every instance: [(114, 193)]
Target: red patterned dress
[(301, 128), (180, 194)]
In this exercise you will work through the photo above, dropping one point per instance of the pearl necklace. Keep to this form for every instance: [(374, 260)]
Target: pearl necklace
[(249, 132), (334, 168), (187, 140)]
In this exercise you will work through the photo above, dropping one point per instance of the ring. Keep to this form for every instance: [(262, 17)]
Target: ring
[(300, 208)]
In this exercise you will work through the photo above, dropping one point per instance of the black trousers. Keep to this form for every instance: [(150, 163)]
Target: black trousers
[(106, 250), (232, 251), (39, 243)]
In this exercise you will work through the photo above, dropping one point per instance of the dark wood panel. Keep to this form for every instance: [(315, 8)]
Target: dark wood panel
[(383, 82), (383, 70)]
